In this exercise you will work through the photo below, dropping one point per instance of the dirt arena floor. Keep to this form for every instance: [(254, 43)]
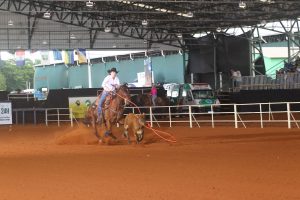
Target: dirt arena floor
[(39, 162)]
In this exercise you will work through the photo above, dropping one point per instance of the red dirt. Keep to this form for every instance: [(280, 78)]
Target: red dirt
[(38, 162)]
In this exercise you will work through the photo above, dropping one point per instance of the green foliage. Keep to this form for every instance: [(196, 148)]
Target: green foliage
[(2, 82), (15, 76)]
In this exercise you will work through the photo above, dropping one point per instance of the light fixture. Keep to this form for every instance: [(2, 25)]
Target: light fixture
[(263, 21), (47, 15), (44, 42), (72, 37), (114, 46), (107, 29), (219, 29), (144, 22), (242, 5), (145, 41), (89, 4), (10, 23), (197, 35), (179, 35), (190, 14)]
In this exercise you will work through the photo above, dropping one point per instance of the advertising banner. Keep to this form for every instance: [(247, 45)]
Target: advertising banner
[(5, 113), (80, 105)]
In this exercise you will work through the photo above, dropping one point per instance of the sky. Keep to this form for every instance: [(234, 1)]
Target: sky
[(5, 55)]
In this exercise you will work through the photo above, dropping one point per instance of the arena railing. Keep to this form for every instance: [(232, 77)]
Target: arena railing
[(265, 82), (20, 96), (235, 114), (59, 115)]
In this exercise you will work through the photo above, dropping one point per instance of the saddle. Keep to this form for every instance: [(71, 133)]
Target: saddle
[(106, 102)]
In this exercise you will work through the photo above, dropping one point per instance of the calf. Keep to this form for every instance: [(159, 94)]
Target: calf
[(136, 123)]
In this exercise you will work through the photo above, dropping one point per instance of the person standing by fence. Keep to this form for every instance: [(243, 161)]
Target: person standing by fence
[(234, 77), (153, 94)]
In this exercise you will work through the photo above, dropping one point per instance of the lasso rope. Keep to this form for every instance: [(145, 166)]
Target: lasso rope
[(155, 131)]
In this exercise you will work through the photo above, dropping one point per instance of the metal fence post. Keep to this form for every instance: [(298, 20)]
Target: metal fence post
[(190, 116), (288, 114), (151, 120), (235, 116), (261, 117), (170, 116), (58, 117), (71, 116), (212, 116), (46, 117)]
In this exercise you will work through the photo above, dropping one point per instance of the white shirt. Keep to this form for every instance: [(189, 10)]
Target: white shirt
[(109, 83)]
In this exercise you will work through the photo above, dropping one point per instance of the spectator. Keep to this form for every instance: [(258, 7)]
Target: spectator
[(234, 77), (153, 94), (238, 79)]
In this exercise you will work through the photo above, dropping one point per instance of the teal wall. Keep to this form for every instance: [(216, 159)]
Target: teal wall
[(166, 69), (273, 64), (78, 76), (53, 77)]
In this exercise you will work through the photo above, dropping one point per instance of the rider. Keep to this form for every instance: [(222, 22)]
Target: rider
[(109, 84), (153, 94)]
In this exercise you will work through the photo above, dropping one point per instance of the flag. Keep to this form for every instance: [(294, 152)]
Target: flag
[(57, 55), (20, 58), (45, 57), (68, 57), (81, 54)]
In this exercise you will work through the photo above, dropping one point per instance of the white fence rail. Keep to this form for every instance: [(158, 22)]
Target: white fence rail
[(264, 82), (59, 115), (239, 115)]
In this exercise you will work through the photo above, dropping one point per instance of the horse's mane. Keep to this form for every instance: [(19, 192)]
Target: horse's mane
[(123, 87)]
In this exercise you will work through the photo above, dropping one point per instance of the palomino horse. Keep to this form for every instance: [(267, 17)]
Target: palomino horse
[(112, 111)]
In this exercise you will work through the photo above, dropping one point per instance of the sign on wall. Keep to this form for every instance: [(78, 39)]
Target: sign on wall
[(5, 113), (80, 105)]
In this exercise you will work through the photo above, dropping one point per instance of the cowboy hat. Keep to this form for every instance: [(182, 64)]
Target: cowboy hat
[(112, 70)]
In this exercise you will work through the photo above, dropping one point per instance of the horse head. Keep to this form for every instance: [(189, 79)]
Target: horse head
[(123, 92)]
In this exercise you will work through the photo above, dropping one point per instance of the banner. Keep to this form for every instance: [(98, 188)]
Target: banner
[(57, 55), (81, 55), (79, 105), (68, 57), (148, 70), (20, 58), (5, 113), (45, 57)]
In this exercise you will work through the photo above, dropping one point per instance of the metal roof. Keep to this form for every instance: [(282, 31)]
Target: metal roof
[(74, 25)]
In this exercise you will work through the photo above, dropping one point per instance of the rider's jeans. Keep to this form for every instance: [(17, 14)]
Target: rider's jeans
[(102, 99)]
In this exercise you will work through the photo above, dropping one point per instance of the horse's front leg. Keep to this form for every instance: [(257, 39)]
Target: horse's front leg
[(108, 131)]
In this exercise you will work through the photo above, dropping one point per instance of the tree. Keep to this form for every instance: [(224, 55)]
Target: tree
[(16, 77), (2, 82)]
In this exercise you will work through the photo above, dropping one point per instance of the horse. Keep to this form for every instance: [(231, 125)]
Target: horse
[(146, 100), (135, 123), (112, 111)]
